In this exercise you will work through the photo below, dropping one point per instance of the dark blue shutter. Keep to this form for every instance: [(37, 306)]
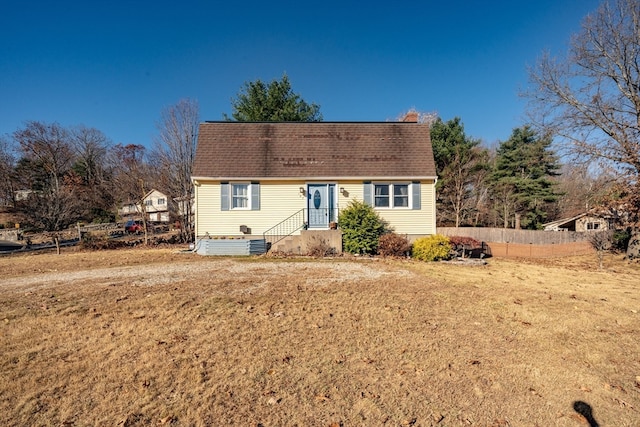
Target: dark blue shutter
[(255, 196), (366, 193), (224, 196), (415, 193)]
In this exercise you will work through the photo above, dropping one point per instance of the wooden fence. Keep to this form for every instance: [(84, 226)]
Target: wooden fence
[(525, 243)]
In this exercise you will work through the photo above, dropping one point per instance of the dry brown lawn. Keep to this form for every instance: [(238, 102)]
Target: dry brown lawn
[(157, 337)]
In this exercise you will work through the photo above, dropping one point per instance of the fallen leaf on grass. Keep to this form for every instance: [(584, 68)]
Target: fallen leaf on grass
[(438, 418), (579, 418), (273, 401), (624, 404), (165, 420)]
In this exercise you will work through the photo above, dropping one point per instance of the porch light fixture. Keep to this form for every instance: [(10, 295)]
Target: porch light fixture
[(301, 190), (342, 190)]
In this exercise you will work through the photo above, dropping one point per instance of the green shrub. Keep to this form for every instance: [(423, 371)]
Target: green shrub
[(394, 245), (432, 248), (361, 228), (621, 240)]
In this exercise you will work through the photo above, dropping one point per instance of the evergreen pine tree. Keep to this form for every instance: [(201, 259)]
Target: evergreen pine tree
[(521, 181)]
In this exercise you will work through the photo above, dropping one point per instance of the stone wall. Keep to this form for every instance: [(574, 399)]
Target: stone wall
[(10, 235)]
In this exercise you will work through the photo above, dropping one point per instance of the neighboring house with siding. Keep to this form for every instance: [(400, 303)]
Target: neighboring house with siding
[(251, 177), (584, 222), (155, 206)]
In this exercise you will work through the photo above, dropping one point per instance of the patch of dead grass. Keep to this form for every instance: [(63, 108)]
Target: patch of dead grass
[(143, 337)]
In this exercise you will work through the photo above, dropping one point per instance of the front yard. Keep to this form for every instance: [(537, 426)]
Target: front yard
[(141, 337)]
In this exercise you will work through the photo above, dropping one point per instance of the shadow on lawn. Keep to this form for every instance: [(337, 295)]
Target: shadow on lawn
[(584, 409)]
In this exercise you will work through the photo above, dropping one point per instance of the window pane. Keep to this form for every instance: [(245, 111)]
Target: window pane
[(401, 196), (381, 199), (239, 202), (382, 190), (240, 190)]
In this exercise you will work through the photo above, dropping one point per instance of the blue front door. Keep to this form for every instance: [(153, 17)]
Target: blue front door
[(320, 205)]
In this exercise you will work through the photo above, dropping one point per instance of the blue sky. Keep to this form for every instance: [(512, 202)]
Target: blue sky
[(116, 65)]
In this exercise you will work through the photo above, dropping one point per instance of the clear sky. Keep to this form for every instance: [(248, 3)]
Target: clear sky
[(115, 65)]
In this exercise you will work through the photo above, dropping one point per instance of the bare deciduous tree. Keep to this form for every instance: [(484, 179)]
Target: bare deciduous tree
[(91, 147), (426, 117), (174, 152), (460, 161), (601, 241), (131, 178), (582, 189), (590, 99), (7, 165), (53, 203)]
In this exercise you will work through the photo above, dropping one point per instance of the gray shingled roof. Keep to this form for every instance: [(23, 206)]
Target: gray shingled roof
[(314, 149)]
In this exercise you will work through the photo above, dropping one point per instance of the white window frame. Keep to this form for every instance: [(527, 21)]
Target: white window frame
[(232, 198), (391, 195)]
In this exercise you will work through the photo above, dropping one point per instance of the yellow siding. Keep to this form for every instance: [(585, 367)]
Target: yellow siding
[(353, 190), (403, 221), (207, 200), (278, 201), (281, 199)]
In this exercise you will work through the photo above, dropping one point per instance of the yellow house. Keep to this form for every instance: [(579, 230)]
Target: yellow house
[(269, 180)]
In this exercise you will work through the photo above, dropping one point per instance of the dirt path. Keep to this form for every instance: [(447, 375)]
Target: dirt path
[(188, 270)]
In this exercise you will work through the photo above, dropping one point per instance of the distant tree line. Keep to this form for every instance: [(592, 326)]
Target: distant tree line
[(54, 176), (584, 106), (516, 185)]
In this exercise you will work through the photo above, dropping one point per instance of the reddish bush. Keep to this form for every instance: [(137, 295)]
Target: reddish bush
[(463, 245), (393, 245), (466, 242)]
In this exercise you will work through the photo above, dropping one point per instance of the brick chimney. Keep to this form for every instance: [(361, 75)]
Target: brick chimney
[(411, 116)]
